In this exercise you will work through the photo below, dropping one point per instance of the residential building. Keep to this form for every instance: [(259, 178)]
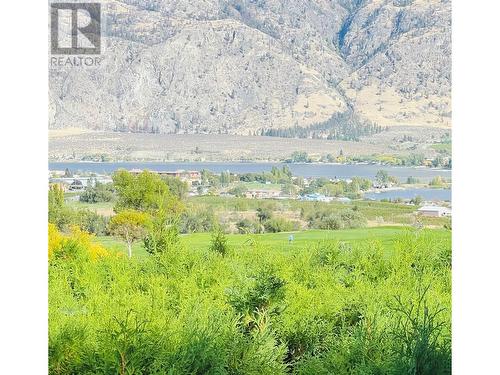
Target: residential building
[(434, 211)]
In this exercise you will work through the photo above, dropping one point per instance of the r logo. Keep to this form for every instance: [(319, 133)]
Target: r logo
[(75, 28)]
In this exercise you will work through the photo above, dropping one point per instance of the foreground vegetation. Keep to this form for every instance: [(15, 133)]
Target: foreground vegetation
[(144, 299), (321, 308)]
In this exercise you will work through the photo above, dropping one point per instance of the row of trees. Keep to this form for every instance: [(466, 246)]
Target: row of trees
[(276, 175), (340, 126), (337, 188)]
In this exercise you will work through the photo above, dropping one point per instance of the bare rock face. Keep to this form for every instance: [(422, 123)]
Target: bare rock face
[(243, 66), (400, 52)]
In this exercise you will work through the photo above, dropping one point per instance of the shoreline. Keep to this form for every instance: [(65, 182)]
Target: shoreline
[(83, 162)]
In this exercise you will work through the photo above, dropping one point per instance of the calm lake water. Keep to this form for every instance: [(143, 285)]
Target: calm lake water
[(304, 170), (426, 194)]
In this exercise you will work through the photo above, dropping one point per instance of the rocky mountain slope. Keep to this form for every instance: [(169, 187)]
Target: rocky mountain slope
[(241, 66)]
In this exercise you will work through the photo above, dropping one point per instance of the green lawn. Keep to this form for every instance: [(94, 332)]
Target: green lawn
[(100, 207), (279, 241)]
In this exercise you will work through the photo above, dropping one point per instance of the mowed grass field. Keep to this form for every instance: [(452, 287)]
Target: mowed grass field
[(280, 241)]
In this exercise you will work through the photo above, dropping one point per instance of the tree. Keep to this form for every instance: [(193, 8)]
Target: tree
[(225, 178), (239, 190), (145, 192), (437, 181), (246, 226), (59, 214), (56, 197), (97, 193), (142, 192), (414, 160), (177, 187), (163, 232), (382, 177), (330, 158), (289, 189), (299, 157), (130, 226), (218, 243), (438, 161), (417, 201), (263, 214), (332, 189), (412, 180)]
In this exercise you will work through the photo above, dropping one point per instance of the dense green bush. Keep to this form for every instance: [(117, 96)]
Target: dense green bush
[(238, 190), (90, 222), (279, 224), (160, 240), (331, 219), (176, 186), (196, 221), (97, 193), (218, 242), (326, 308)]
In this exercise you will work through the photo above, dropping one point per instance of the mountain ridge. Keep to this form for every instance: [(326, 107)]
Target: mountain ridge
[(243, 67)]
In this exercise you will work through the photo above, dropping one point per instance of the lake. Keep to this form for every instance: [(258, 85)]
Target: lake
[(303, 170), (425, 193)]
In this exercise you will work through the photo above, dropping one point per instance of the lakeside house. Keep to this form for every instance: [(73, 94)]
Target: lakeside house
[(262, 193), (77, 183), (315, 197), (434, 211)]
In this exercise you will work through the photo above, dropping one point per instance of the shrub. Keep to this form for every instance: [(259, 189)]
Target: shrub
[(247, 226), (197, 221), (97, 193), (264, 293), (239, 190), (352, 219), (66, 349), (218, 242), (77, 244), (279, 224), (417, 337), (160, 240), (91, 222), (264, 213), (437, 181), (332, 220), (176, 186)]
